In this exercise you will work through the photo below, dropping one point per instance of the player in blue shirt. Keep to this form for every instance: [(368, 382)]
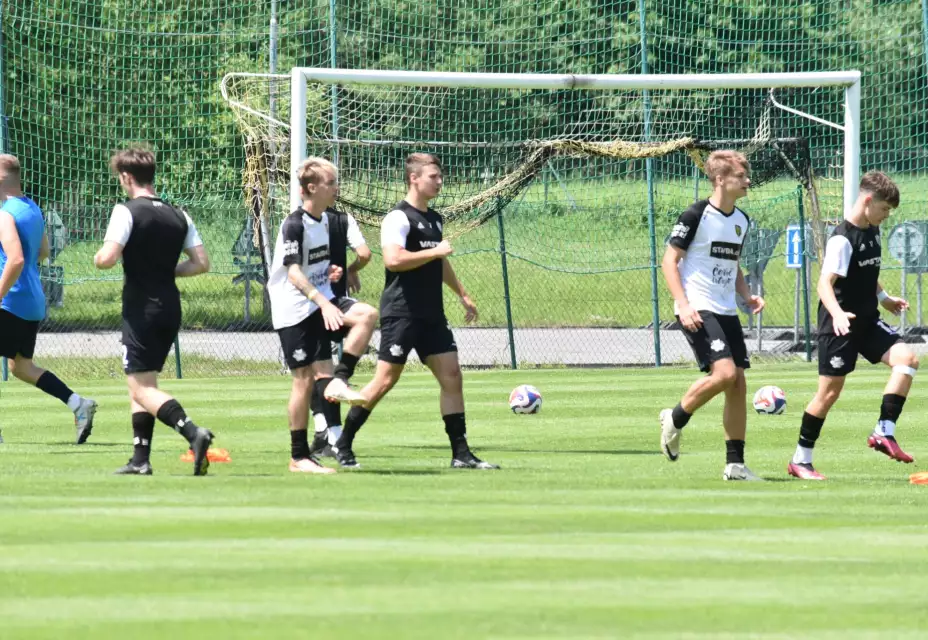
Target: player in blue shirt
[(23, 244)]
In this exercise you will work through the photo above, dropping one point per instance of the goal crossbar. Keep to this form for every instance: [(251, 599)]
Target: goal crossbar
[(848, 80)]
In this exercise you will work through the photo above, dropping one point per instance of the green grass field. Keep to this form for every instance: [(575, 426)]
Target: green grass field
[(587, 532)]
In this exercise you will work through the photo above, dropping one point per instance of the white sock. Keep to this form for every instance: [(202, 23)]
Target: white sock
[(885, 428), (319, 422), (803, 455), (335, 432), (74, 402)]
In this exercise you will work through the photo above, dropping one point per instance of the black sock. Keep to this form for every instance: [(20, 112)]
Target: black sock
[(299, 444), (345, 367), (53, 386), (143, 427), (355, 419), (891, 408), (456, 428), (173, 415), (680, 417), (734, 451), (317, 400), (810, 430)]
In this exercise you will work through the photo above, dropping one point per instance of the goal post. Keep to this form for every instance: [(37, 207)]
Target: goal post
[(300, 79)]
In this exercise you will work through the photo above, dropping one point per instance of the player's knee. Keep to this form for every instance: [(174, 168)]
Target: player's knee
[(370, 315), (725, 374), (829, 396), (451, 381), (905, 360)]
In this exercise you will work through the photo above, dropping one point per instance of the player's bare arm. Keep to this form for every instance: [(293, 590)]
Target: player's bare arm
[(331, 314), (197, 262), (44, 249), (893, 304), (362, 257), (826, 293), (108, 255), (689, 317), (13, 248), (451, 280), (398, 259), (755, 303)]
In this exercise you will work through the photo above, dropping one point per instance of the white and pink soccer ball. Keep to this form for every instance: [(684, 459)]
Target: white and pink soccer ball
[(770, 400), (525, 399)]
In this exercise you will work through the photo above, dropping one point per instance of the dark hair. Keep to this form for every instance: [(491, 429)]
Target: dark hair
[(137, 162), (881, 187)]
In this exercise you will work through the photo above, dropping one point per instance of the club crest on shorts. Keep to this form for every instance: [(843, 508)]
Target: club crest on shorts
[(717, 345), (837, 362), (299, 355), (396, 351)]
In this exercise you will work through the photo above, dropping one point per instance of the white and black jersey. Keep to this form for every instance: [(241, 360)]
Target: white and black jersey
[(344, 232), (854, 255), (302, 240), (713, 241), (415, 293), (153, 234)]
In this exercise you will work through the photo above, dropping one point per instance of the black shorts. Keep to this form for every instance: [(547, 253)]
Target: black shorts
[(400, 335), (344, 304), (869, 336), (306, 342), (147, 339), (17, 336), (718, 338)]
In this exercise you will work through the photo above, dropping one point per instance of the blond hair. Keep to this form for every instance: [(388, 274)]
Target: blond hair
[(416, 162), (881, 187), (310, 172), (722, 163)]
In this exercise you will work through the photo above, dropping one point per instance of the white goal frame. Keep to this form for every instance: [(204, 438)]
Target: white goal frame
[(850, 80)]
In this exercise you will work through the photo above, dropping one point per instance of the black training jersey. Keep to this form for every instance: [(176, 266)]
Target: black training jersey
[(415, 293), (344, 232), (153, 234), (713, 241), (854, 255)]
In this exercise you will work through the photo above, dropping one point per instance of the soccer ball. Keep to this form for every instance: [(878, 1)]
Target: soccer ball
[(770, 400), (525, 399)]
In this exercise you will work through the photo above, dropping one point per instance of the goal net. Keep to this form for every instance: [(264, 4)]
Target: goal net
[(588, 173)]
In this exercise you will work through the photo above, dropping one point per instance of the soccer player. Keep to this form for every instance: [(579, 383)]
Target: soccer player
[(23, 244), (701, 266), (344, 233), (149, 235), (306, 313), (849, 324), (413, 314)]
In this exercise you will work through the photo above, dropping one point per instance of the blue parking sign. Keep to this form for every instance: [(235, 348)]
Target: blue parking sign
[(794, 247)]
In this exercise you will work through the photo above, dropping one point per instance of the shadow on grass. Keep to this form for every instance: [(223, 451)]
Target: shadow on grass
[(618, 452)]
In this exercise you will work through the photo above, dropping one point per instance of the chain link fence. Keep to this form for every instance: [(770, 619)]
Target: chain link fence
[(561, 278)]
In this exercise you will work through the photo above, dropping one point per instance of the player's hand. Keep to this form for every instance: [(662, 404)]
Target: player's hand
[(443, 249), (842, 323), (894, 305), (690, 318), (335, 272), (756, 304), (332, 316), (354, 282), (470, 309)]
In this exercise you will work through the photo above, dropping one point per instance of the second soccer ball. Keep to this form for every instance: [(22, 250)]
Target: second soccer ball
[(770, 400), (525, 399)]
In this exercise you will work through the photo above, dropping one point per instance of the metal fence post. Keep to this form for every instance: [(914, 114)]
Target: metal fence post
[(506, 298), (177, 367), (803, 268), (649, 170)]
